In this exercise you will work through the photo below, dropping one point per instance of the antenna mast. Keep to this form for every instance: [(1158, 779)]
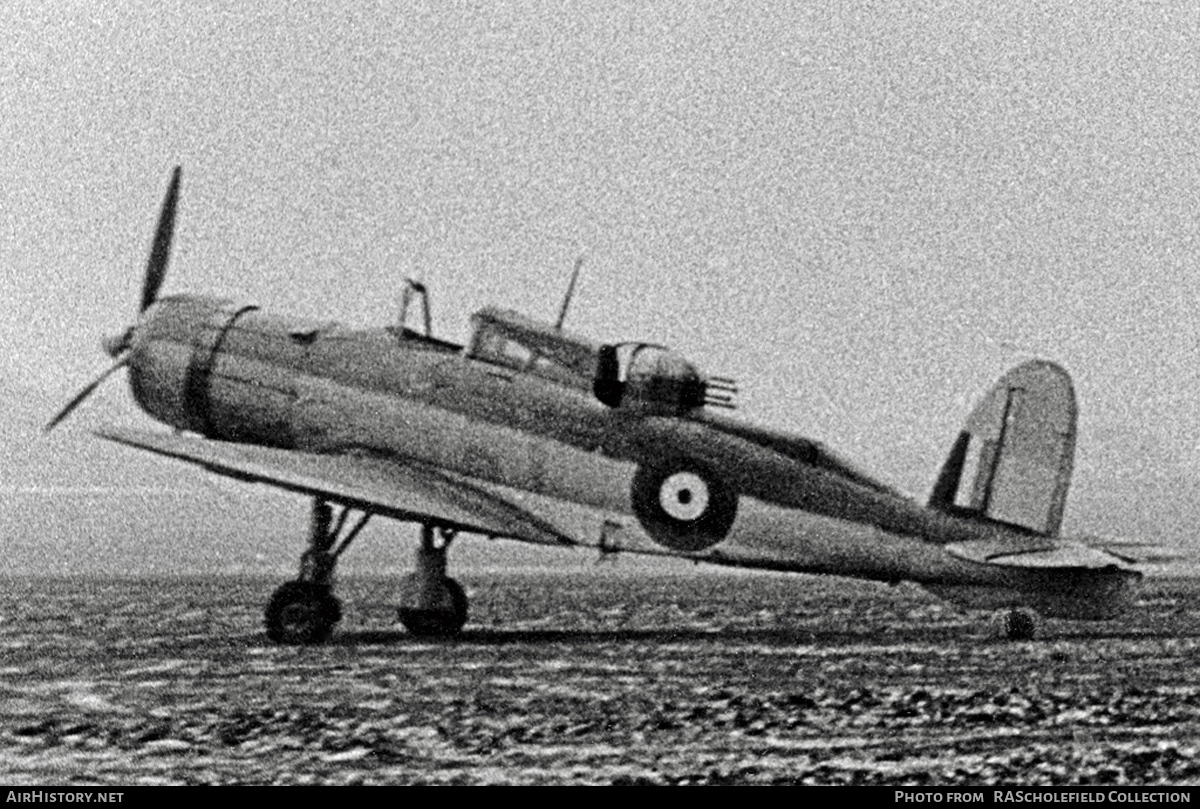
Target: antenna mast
[(562, 314)]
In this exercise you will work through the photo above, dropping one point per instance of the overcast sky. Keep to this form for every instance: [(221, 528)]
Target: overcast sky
[(864, 212)]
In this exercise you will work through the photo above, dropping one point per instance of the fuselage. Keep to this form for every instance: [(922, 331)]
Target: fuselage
[(522, 417)]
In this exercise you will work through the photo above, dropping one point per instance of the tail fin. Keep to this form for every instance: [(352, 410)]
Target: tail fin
[(1016, 451)]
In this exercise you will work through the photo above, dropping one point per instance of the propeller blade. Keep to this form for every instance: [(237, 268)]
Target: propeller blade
[(156, 267), (83, 394)]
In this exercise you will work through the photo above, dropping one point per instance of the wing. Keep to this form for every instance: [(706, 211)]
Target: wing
[(404, 491)]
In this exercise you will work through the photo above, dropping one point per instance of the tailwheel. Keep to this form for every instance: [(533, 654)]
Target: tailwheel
[(1018, 625), (438, 622), (302, 612)]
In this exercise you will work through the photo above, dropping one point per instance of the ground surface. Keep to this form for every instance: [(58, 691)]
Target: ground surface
[(590, 678)]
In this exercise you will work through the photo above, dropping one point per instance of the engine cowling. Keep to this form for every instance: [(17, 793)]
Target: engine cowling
[(219, 368), (172, 357)]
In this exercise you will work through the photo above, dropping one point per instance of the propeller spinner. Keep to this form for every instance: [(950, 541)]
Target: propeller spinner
[(118, 346)]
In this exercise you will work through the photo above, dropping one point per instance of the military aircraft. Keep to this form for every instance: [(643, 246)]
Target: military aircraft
[(532, 433)]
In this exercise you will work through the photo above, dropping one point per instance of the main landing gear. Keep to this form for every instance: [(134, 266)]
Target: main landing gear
[(305, 611), (432, 603)]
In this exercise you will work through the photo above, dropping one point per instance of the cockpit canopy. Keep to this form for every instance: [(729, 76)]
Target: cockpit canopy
[(510, 339), (639, 377)]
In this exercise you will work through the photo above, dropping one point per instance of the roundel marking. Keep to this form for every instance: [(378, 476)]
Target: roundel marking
[(684, 496), (683, 506)]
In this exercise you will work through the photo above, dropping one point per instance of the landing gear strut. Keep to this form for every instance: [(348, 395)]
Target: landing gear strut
[(305, 610), (431, 603)]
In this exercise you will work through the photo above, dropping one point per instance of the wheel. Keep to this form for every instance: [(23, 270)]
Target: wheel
[(438, 623), (302, 612), (1018, 625)]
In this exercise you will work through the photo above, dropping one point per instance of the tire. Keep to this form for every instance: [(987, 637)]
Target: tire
[(301, 612), (1018, 625), (438, 623)]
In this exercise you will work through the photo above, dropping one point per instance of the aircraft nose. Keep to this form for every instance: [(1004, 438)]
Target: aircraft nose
[(116, 344)]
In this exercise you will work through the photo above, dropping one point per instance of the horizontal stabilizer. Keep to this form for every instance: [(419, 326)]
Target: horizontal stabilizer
[(1049, 555), (1138, 552)]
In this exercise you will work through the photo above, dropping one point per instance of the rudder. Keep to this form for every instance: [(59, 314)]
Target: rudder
[(1013, 460)]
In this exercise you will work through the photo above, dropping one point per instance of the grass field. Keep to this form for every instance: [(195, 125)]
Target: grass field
[(602, 678)]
